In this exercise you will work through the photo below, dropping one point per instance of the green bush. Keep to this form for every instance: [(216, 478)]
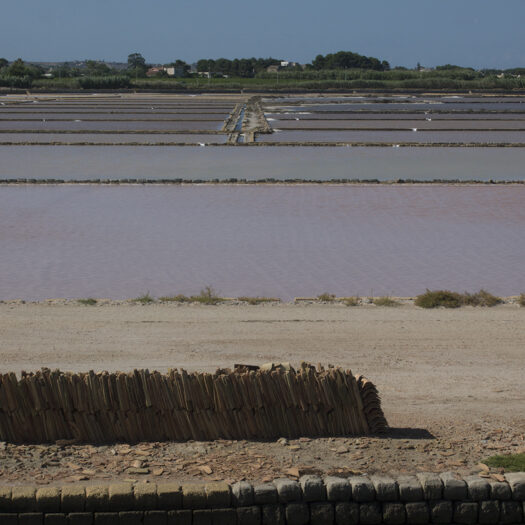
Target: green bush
[(433, 299), (351, 301), (109, 82), (259, 300), (521, 300), (87, 302), (510, 462), (385, 301), (481, 298), (144, 299), (207, 296), (326, 297), (175, 298)]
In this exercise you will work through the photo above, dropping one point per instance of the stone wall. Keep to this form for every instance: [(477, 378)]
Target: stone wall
[(417, 499)]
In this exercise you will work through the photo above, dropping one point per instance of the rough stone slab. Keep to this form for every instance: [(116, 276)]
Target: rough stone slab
[(249, 515), (516, 481), (362, 489), (441, 511), (202, 517), (337, 489), (394, 513), (97, 498), (194, 496), (313, 488), (417, 513), (297, 514), (453, 489), (155, 517), (272, 515), (145, 496), (106, 518), (465, 513), (54, 518), (488, 512), (370, 513), (31, 518), (265, 493), (120, 496), (431, 484), (385, 487), (23, 498), (500, 490), (347, 513), (169, 496), (179, 517), (72, 498), (478, 488), (131, 517), (80, 518), (511, 512), (8, 518), (48, 499), (224, 516), (218, 495), (6, 503), (321, 513), (287, 490), (242, 494), (410, 488)]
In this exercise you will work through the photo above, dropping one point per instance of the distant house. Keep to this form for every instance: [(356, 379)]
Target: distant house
[(154, 71), (172, 71), (273, 69)]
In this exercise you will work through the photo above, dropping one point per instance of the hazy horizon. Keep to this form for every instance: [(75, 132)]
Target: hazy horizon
[(473, 33)]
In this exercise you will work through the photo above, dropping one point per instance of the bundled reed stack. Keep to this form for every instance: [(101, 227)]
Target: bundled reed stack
[(246, 403)]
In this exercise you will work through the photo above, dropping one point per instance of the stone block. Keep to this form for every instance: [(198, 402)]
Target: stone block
[(54, 518), (106, 518), (72, 498), (409, 489), (249, 515), (265, 493), (155, 517), (7, 518), (516, 480), (80, 518), (31, 518), (120, 496), (224, 517), (169, 496), (500, 490), (202, 517), (273, 515), (370, 513), (287, 490), (478, 488), (385, 487), (194, 496), (362, 489), (488, 512), (511, 512), (48, 499), (297, 514), (313, 488), (441, 511), (23, 498), (321, 513), (337, 489), (417, 513), (6, 502), (431, 484), (180, 517), (465, 513), (97, 498), (394, 513), (145, 496), (131, 517), (242, 494), (453, 489), (347, 513), (218, 495)]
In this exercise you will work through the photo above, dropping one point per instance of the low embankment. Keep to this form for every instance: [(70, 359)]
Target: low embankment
[(246, 403), (421, 499)]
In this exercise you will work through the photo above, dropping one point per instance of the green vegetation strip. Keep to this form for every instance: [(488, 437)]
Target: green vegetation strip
[(511, 462)]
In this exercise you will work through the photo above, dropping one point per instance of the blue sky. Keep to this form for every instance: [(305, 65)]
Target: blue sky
[(479, 33)]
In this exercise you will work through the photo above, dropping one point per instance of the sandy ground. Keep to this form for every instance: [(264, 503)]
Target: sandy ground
[(452, 382)]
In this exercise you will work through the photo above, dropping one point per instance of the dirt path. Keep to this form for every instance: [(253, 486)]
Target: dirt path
[(452, 381)]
